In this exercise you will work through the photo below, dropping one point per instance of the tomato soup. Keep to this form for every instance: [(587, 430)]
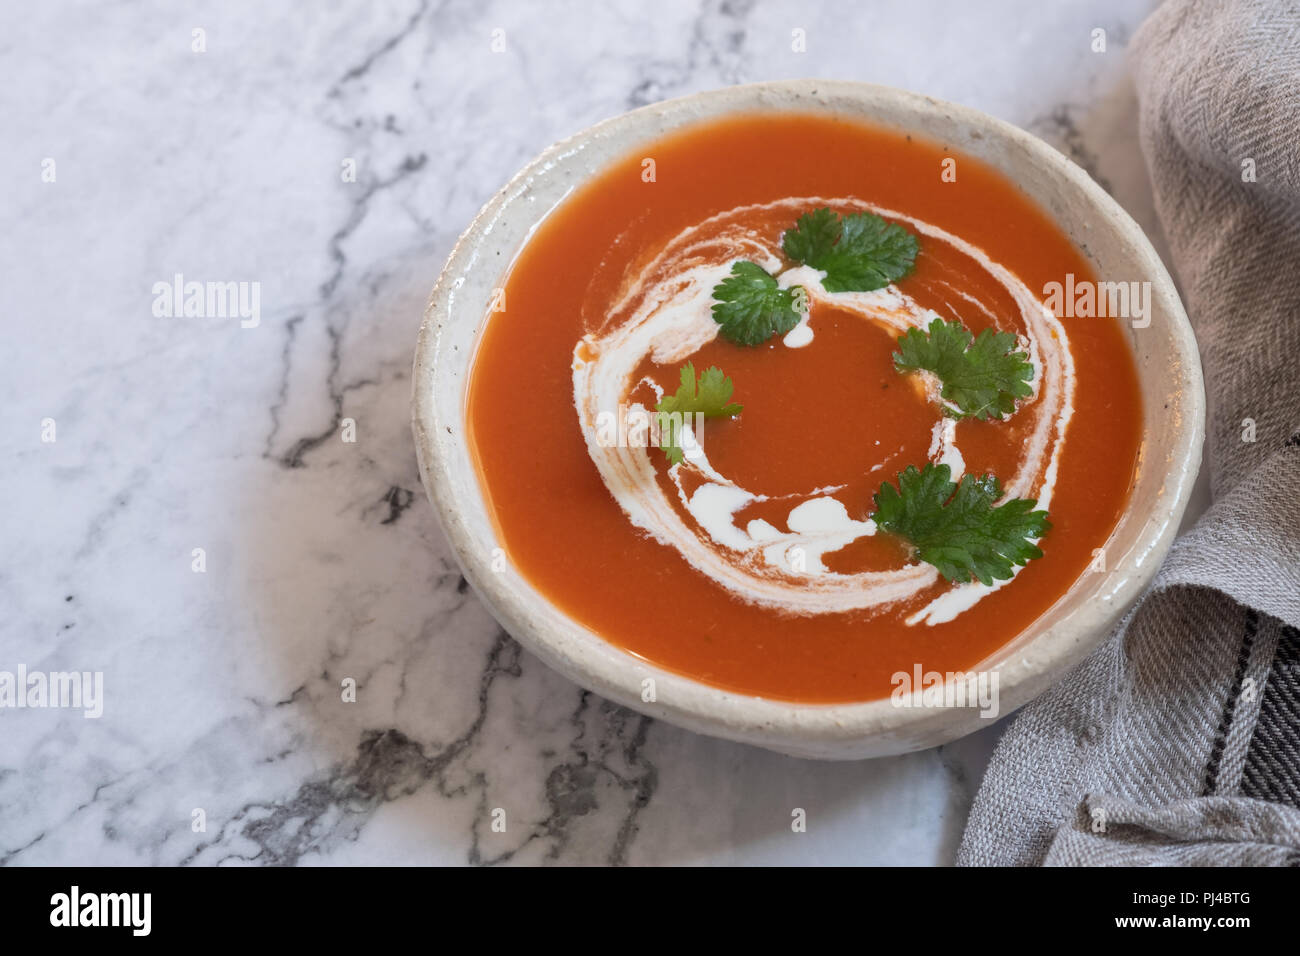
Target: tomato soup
[(758, 564)]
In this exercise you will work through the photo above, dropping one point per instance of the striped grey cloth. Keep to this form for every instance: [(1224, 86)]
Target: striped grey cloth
[(1178, 740)]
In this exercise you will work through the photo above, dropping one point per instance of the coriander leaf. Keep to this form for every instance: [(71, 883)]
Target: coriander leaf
[(710, 397), (813, 236), (981, 378), (751, 308), (858, 252), (956, 527)]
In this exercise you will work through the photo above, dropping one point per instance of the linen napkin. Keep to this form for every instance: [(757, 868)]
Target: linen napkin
[(1178, 740)]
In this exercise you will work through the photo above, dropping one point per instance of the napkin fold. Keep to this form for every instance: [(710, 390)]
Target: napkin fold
[(1178, 740)]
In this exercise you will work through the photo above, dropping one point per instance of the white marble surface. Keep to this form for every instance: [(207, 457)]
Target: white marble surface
[(323, 559)]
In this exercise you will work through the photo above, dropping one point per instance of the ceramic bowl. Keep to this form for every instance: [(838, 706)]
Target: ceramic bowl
[(1165, 351)]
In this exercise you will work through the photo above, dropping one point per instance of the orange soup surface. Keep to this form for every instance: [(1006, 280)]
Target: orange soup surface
[(767, 583)]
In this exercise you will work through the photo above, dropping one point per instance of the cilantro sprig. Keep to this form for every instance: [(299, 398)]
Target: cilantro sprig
[(709, 396), (859, 252), (957, 527), (751, 308), (982, 377)]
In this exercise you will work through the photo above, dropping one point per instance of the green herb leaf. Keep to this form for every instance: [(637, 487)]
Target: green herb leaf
[(956, 527), (710, 396), (750, 308), (858, 253), (981, 378)]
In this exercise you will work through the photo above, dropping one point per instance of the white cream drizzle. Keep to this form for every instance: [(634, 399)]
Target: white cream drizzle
[(806, 276), (665, 313)]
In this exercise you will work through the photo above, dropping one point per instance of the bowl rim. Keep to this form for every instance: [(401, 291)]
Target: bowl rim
[(830, 731)]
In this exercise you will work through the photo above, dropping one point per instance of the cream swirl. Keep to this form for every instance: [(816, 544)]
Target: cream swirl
[(664, 314)]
